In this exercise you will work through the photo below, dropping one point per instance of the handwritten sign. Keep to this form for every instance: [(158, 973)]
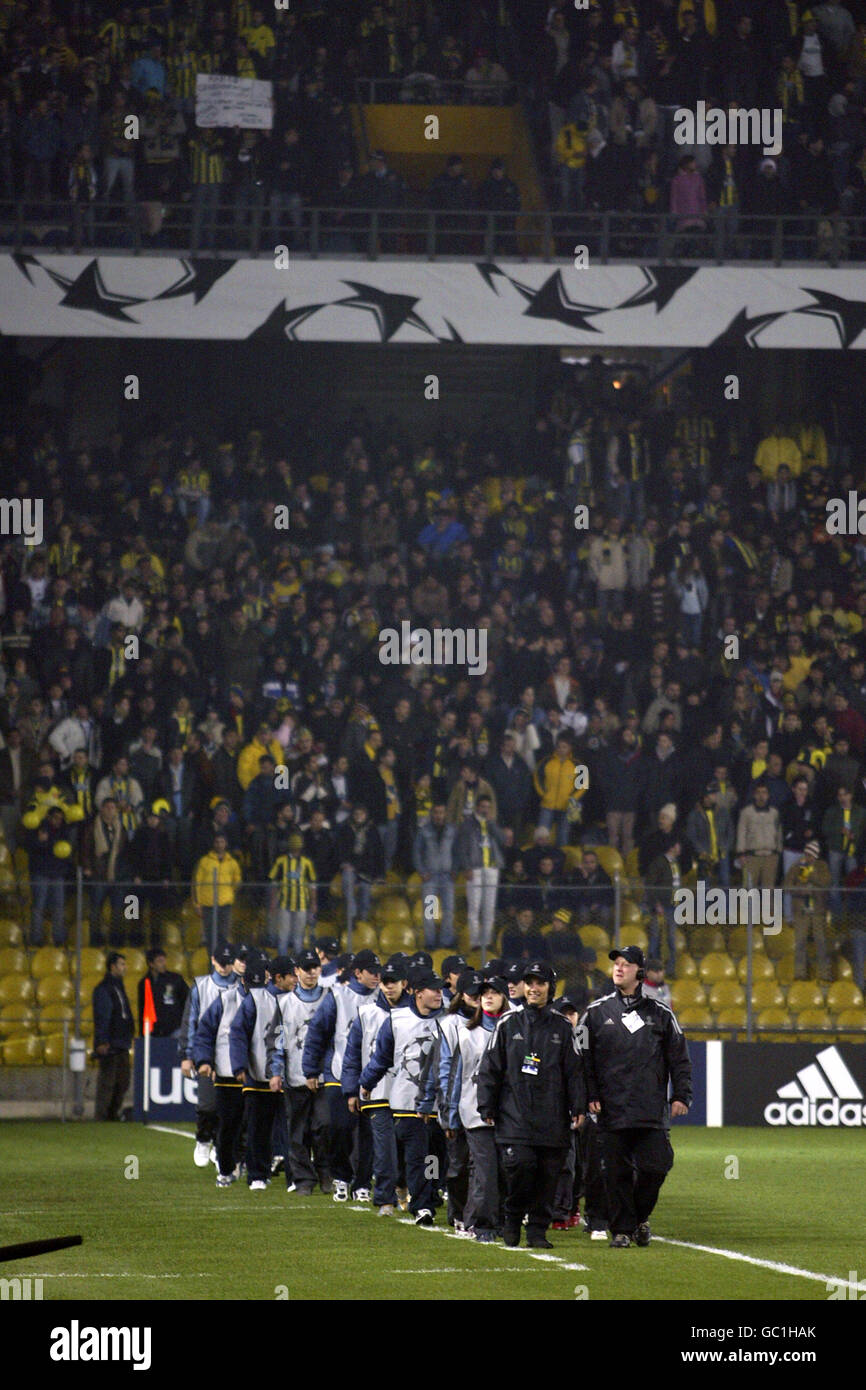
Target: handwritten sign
[(233, 101)]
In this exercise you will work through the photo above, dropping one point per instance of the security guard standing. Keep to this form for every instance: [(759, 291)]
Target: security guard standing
[(531, 1088), (631, 1046)]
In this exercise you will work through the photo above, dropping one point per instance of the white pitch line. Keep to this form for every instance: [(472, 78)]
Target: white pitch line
[(168, 1129), (531, 1254), (774, 1265), (122, 1275)]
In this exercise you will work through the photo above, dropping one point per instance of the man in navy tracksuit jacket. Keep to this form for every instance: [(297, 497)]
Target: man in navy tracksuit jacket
[(324, 1050), (257, 1061), (405, 1043), (283, 980), (377, 1110)]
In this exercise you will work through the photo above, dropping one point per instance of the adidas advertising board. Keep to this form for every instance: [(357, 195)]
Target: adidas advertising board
[(795, 1084)]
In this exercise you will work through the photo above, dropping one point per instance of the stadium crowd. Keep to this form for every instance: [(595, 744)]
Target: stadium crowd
[(193, 689), (602, 84)]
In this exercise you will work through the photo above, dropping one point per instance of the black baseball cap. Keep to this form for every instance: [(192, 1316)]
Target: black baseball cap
[(283, 965), (452, 965), (514, 972), (329, 944), (540, 969), (394, 970), (421, 958), (495, 982), (367, 960), (634, 954), (308, 960), (224, 954), (566, 1002), (241, 952), (470, 982), (427, 979), (256, 969), (495, 966), (400, 961)]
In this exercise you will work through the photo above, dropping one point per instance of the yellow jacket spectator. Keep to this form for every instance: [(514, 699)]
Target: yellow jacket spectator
[(775, 449), (703, 10), (248, 759), (65, 552), (259, 36), (220, 866), (554, 780), (812, 443)]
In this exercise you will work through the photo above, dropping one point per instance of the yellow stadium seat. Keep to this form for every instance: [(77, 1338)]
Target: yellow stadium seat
[(687, 994), (191, 935), (848, 1018), (631, 913), (731, 1017), (634, 935), (785, 970), (702, 940), (762, 968), (414, 886), (16, 1018), (92, 961), (812, 1018), (136, 960), (395, 937), (716, 966), (738, 941), (843, 994), (804, 994), (776, 1018), (25, 1051), (13, 961), (780, 944), (10, 933), (595, 937), (842, 969), (364, 937), (199, 961), (571, 857), (55, 989), (53, 1017), (48, 960), (393, 910), (610, 860), (175, 959), (686, 967), (16, 989), (694, 1017), (130, 984), (726, 994), (88, 985), (53, 1049), (767, 994), (170, 933), (417, 912)]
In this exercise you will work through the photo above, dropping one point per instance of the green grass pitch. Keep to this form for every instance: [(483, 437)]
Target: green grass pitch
[(799, 1200)]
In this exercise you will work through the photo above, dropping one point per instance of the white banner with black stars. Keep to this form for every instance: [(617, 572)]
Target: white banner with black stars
[(420, 302)]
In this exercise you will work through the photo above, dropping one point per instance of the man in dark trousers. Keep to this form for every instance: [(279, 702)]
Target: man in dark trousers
[(258, 1063), (112, 1039), (632, 1045), (169, 995), (531, 1088)]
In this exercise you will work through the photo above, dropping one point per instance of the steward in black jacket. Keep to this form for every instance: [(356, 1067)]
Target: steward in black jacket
[(531, 1088), (632, 1046)]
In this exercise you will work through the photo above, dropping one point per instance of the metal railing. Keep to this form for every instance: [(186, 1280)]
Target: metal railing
[(226, 226), (425, 88)]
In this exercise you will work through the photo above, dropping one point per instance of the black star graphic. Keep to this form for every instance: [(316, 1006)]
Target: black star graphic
[(24, 262), (743, 331), (847, 315), (198, 278), (391, 311), (282, 322), (551, 302), (661, 284), (89, 291)]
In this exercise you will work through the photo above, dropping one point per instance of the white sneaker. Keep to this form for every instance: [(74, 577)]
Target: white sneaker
[(212, 1156), (341, 1191), (424, 1218), (459, 1228), (598, 1235), (223, 1181), (362, 1194), (201, 1154), (258, 1186), (291, 1188)]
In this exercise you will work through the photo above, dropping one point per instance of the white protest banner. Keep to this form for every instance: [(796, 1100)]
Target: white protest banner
[(232, 101)]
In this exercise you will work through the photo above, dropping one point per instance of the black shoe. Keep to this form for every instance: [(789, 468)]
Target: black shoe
[(620, 1242), (643, 1234), (539, 1243), (305, 1191), (511, 1237)]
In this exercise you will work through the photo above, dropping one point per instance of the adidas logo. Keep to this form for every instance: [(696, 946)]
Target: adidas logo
[(824, 1093), (609, 1020)]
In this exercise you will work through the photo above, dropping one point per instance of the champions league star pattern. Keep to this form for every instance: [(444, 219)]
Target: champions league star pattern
[(454, 302)]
